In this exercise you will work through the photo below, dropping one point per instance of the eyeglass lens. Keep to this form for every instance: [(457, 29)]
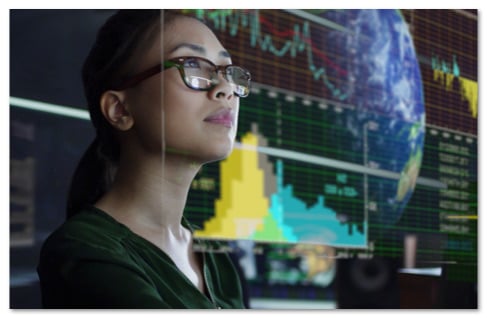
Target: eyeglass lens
[(201, 74)]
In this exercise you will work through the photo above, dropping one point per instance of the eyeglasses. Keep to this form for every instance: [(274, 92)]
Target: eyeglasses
[(199, 74)]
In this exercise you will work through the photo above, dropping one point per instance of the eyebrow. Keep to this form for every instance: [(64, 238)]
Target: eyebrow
[(198, 48)]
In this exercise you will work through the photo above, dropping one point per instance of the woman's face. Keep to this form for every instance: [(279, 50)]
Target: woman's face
[(201, 125)]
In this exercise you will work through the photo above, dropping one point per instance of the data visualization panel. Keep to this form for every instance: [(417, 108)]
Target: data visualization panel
[(360, 130), (330, 138)]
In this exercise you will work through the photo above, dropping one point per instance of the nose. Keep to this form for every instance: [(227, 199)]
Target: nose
[(223, 90)]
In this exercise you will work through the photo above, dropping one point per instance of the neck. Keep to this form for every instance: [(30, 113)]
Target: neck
[(151, 191)]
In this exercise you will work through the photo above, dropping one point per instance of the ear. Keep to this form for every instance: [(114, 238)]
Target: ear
[(115, 111)]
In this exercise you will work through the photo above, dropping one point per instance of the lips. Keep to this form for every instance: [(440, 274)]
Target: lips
[(224, 117)]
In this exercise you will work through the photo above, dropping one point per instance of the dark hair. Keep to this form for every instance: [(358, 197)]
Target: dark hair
[(105, 65)]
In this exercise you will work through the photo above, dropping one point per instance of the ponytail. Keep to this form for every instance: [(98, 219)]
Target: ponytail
[(106, 62), (92, 178), (115, 46)]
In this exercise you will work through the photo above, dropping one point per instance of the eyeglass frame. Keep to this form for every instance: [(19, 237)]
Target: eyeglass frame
[(177, 62)]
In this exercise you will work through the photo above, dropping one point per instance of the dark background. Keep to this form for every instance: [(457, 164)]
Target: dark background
[(47, 49)]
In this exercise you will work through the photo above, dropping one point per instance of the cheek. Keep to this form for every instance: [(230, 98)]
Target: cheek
[(180, 104), (181, 118), (147, 110)]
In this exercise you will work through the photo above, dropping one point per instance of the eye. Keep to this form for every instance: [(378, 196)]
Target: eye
[(192, 63)]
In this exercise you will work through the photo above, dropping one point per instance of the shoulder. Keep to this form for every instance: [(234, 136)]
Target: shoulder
[(90, 231)]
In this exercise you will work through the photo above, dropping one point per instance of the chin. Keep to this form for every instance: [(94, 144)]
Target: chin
[(217, 157), (217, 154)]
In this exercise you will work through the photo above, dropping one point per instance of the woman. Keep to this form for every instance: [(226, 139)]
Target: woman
[(161, 109)]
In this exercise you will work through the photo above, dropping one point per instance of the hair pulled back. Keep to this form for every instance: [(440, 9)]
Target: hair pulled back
[(105, 65)]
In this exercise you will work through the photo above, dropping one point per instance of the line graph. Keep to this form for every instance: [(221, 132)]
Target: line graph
[(297, 41)]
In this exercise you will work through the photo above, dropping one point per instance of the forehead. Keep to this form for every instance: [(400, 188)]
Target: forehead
[(185, 30)]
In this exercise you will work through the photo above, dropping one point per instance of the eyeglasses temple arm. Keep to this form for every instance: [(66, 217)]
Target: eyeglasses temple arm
[(132, 81)]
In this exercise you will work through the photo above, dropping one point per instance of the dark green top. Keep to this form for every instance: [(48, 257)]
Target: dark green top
[(93, 261)]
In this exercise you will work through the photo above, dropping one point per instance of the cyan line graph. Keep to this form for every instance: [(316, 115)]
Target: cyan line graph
[(300, 42), (444, 66)]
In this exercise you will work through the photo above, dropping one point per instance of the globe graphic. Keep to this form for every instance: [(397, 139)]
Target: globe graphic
[(384, 83)]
